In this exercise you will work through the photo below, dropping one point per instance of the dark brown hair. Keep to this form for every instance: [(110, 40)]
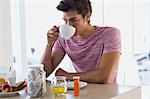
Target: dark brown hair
[(81, 6)]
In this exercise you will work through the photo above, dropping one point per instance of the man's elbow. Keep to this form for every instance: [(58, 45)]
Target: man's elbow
[(107, 80), (101, 81)]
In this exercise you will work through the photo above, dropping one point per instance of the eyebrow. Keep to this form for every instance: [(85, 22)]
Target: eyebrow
[(70, 18)]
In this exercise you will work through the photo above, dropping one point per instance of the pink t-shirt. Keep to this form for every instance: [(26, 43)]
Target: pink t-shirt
[(86, 53)]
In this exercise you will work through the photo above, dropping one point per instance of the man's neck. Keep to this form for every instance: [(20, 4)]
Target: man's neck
[(88, 31)]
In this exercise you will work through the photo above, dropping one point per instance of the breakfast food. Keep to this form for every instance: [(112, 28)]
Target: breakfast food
[(6, 88), (3, 81), (19, 86)]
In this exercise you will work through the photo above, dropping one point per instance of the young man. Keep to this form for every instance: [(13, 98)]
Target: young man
[(94, 50)]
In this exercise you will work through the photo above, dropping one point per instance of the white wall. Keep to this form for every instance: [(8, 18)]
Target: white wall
[(19, 37), (141, 26), (5, 34), (40, 16)]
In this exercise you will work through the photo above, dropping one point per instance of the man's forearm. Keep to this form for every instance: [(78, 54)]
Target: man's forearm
[(94, 76), (47, 60)]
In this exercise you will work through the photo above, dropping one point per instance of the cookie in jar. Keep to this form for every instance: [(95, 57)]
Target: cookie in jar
[(36, 81)]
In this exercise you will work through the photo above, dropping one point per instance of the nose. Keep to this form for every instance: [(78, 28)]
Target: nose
[(69, 23)]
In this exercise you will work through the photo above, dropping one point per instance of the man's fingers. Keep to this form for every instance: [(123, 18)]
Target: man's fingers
[(55, 29), (52, 35)]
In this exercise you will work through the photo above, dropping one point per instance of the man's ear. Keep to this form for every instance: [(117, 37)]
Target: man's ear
[(88, 16)]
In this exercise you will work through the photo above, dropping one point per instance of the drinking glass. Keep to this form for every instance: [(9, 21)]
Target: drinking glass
[(59, 85)]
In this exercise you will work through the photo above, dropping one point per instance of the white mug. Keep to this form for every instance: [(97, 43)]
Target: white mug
[(66, 31)]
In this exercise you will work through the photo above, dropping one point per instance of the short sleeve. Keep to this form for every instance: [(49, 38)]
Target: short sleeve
[(58, 45), (112, 41)]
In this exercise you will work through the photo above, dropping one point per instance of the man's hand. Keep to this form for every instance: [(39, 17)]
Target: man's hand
[(61, 72), (52, 35)]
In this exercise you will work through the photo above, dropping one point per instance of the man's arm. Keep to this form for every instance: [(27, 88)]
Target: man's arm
[(51, 59), (109, 63)]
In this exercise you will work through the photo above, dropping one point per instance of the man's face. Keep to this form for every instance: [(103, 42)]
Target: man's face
[(74, 19)]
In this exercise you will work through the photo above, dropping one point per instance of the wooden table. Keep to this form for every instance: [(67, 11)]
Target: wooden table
[(93, 91)]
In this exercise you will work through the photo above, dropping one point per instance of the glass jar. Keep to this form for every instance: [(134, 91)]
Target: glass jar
[(36, 81), (59, 85)]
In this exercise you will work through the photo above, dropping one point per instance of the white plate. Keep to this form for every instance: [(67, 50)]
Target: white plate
[(8, 94), (70, 84)]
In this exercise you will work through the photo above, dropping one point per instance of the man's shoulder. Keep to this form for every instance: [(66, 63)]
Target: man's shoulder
[(106, 28)]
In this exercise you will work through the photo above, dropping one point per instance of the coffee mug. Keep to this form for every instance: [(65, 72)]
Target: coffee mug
[(66, 31)]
